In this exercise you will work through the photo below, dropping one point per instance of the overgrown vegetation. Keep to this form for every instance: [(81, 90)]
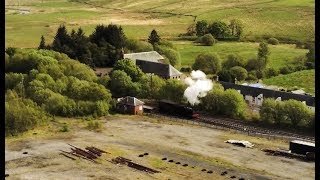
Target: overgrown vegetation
[(287, 113), (43, 83)]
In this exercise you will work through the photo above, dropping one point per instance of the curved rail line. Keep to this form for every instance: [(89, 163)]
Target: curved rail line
[(242, 127)]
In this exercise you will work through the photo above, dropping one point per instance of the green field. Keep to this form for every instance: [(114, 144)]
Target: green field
[(279, 57), (286, 19), (301, 79)]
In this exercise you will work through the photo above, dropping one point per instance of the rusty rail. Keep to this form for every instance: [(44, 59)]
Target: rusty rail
[(129, 163)]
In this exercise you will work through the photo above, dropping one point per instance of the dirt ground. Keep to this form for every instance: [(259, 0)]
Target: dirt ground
[(129, 136)]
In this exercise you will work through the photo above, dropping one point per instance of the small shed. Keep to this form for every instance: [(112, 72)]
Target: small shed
[(130, 105)]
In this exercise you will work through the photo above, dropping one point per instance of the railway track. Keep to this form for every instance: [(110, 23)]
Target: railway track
[(243, 127)]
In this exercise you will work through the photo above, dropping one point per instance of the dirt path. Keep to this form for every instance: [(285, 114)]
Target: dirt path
[(199, 147)]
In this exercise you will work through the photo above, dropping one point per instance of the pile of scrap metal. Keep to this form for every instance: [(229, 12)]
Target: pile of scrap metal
[(90, 154), (241, 143), (289, 154), (129, 163)]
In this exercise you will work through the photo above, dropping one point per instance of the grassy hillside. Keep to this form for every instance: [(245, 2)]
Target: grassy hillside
[(280, 54), (302, 79), (287, 19)]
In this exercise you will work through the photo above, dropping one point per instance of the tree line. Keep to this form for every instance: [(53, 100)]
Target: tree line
[(106, 45), (252, 69)]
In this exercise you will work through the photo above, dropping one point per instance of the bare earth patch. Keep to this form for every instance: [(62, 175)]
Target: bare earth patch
[(194, 147)]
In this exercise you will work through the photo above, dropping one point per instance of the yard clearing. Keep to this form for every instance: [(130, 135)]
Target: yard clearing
[(129, 136)]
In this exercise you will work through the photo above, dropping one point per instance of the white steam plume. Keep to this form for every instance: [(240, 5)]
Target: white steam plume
[(199, 85)]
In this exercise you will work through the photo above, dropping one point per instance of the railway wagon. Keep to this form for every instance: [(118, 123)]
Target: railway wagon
[(302, 147), (172, 108)]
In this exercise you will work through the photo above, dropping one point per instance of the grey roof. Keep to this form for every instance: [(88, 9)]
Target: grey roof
[(268, 93), (160, 69), (173, 71), (152, 56), (130, 101)]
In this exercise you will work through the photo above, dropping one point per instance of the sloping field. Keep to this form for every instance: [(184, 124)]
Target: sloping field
[(286, 19), (301, 79), (280, 54)]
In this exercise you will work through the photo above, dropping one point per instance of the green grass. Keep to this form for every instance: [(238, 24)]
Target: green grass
[(301, 79), (279, 57), (286, 19)]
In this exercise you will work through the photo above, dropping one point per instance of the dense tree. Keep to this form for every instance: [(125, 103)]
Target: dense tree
[(236, 27), (311, 56), (151, 86), (120, 83), (208, 63), (271, 72), (263, 53), (254, 64), (272, 111), (229, 102), (21, 114), (273, 41), (233, 60), (296, 112), (111, 34), (225, 75), (172, 56), (42, 44), (201, 28), (11, 51), (218, 29), (212, 101), (238, 72), (208, 40), (128, 66), (173, 90), (233, 104), (154, 38), (138, 46)]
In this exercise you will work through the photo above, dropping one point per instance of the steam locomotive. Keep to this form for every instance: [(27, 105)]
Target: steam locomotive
[(172, 108)]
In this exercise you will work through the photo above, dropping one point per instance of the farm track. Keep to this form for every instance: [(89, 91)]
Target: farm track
[(239, 126)]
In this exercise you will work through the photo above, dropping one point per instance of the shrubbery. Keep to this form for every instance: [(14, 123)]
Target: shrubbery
[(238, 72), (273, 41), (21, 114), (270, 72), (208, 63), (229, 102), (52, 81), (208, 40), (291, 112)]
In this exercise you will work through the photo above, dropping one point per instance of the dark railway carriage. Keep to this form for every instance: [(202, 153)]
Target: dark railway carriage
[(172, 108), (302, 147)]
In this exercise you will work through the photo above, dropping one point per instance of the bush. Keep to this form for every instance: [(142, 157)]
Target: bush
[(22, 114), (252, 77), (185, 69), (138, 46), (233, 60), (273, 41), (239, 72), (225, 76), (259, 74), (208, 63), (287, 69), (270, 72), (208, 40), (254, 64), (94, 125), (171, 54), (64, 128)]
